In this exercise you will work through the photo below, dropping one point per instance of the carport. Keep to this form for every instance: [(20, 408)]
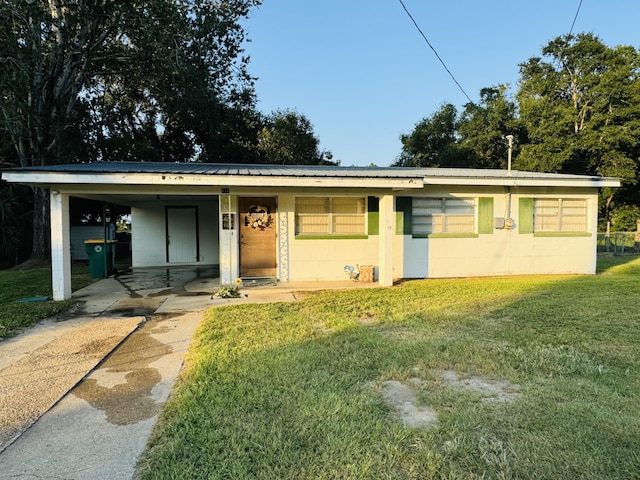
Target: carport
[(174, 224), (211, 208)]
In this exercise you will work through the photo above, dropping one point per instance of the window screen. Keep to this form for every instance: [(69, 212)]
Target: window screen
[(560, 215), (330, 215), (443, 215)]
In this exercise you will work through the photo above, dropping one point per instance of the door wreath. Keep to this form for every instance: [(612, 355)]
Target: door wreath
[(258, 218)]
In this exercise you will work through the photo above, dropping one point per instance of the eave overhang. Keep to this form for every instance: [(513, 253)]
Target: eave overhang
[(63, 178), (119, 175), (576, 182)]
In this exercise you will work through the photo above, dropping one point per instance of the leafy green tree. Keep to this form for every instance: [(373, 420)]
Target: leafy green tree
[(130, 80), (287, 137), (434, 142), (580, 104), (190, 97), (625, 218), (483, 128), (576, 110), (568, 99), (16, 203)]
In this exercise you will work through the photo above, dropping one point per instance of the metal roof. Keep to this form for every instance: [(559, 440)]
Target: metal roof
[(228, 169), (194, 168)]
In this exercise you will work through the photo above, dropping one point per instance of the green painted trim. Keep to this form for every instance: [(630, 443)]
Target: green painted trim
[(404, 215), (562, 234), (525, 215), (331, 237), (485, 215), (445, 235), (373, 215)]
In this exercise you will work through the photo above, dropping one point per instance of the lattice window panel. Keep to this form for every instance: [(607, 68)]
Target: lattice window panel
[(560, 215), (330, 215), (443, 215)]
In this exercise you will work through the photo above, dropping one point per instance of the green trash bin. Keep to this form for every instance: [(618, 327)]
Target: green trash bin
[(100, 257)]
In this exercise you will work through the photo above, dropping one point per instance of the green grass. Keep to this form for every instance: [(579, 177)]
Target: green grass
[(293, 391), (35, 282)]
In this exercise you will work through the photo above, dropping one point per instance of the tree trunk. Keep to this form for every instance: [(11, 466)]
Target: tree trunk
[(41, 249)]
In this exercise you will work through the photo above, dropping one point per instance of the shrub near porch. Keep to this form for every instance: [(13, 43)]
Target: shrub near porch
[(298, 390)]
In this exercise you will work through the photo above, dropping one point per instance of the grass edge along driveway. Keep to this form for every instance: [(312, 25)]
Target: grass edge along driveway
[(297, 391), (16, 284)]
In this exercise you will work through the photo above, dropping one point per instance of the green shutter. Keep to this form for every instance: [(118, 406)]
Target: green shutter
[(403, 215), (373, 212), (525, 215), (485, 215)]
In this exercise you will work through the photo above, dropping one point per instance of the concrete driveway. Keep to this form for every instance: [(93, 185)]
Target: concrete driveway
[(79, 395)]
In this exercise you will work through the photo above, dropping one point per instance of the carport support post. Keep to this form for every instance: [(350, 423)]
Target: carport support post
[(228, 239), (60, 245), (385, 246)]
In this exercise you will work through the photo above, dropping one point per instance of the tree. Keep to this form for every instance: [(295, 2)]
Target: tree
[(580, 104), (287, 138), (13, 221), (576, 110), (483, 127), (127, 78), (16, 203), (625, 218), (434, 142)]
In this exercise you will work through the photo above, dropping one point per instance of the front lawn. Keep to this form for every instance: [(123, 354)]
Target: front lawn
[(300, 391), (29, 283)]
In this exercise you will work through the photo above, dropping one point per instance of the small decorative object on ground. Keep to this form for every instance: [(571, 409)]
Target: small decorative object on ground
[(258, 218), (367, 273), (227, 292), (353, 272)]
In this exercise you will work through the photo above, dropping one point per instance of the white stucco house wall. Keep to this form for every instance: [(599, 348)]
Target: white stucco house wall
[(305, 223)]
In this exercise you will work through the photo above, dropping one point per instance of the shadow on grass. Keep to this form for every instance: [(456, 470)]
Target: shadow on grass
[(294, 390), (608, 263)]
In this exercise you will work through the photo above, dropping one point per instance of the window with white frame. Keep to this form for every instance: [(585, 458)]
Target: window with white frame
[(562, 215), (330, 215), (443, 215)]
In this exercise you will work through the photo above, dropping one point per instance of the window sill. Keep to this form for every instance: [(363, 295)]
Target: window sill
[(562, 234), (331, 237), (445, 235)]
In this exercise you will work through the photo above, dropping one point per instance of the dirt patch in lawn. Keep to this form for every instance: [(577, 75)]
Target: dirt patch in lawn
[(403, 400), (401, 397), (491, 391), (368, 318)]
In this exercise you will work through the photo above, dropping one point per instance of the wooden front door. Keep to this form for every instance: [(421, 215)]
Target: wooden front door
[(257, 236)]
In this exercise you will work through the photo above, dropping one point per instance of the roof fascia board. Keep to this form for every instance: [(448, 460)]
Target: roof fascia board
[(66, 178), (69, 178), (592, 182)]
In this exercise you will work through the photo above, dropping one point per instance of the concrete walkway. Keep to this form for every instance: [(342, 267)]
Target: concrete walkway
[(90, 413)]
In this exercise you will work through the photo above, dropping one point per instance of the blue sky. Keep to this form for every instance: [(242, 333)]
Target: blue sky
[(362, 74)]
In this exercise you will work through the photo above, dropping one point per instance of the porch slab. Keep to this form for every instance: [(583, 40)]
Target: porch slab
[(201, 296), (163, 290)]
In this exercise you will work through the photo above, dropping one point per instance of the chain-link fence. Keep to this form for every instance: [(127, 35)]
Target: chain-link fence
[(619, 243)]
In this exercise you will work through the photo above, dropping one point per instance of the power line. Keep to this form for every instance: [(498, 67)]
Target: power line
[(436, 53), (575, 18)]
